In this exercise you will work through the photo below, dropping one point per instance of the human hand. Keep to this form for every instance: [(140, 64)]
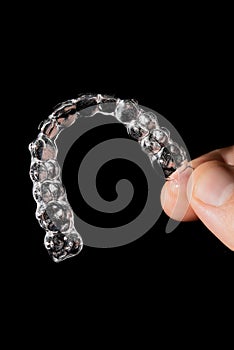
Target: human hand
[(206, 193)]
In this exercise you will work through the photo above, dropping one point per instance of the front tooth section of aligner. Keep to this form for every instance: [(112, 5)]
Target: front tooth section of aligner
[(87, 105), (50, 128), (65, 114), (43, 148)]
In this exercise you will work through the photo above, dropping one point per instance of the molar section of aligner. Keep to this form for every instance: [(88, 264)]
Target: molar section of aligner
[(171, 158), (177, 153), (136, 130), (127, 111), (166, 161), (53, 169), (148, 120), (150, 144), (55, 216), (52, 191), (38, 171), (61, 246), (162, 135)]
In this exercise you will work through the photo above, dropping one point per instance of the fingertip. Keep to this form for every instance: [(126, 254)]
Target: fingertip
[(212, 198), (174, 197)]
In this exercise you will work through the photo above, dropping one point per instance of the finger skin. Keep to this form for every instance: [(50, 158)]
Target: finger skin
[(218, 219), (174, 198), (179, 205)]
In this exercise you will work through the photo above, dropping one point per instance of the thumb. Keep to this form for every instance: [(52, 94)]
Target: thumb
[(210, 191)]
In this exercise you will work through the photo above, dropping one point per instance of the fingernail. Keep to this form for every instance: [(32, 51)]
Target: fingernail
[(215, 186)]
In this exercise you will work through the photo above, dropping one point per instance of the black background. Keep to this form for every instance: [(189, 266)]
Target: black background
[(183, 70)]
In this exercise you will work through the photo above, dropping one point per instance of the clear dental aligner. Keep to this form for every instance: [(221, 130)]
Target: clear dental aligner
[(53, 212)]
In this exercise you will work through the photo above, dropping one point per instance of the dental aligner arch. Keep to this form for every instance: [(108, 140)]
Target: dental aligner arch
[(53, 212)]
